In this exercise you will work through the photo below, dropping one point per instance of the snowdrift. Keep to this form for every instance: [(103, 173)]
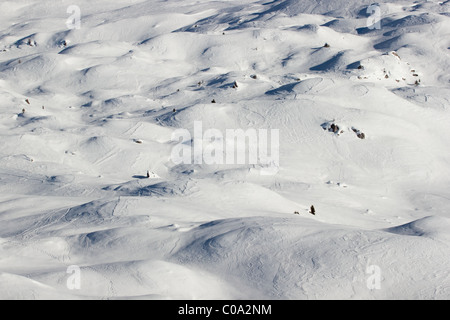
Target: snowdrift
[(88, 112)]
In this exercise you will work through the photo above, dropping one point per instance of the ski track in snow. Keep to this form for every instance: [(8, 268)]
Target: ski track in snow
[(85, 113)]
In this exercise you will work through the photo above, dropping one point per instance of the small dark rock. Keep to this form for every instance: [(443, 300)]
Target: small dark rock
[(334, 128)]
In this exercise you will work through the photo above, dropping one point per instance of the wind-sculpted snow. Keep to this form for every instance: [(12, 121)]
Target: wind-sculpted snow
[(290, 258), (349, 201)]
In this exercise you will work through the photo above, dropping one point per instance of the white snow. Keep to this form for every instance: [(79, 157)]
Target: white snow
[(86, 113)]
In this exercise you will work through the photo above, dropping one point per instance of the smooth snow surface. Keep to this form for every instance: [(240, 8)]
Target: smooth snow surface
[(86, 112)]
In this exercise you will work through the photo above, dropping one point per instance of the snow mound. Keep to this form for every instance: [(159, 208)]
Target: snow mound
[(291, 258), (157, 189), (331, 8), (433, 227), (23, 288), (307, 86), (147, 280)]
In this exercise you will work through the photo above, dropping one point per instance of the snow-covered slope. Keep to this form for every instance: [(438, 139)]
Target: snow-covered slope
[(86, 112)]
